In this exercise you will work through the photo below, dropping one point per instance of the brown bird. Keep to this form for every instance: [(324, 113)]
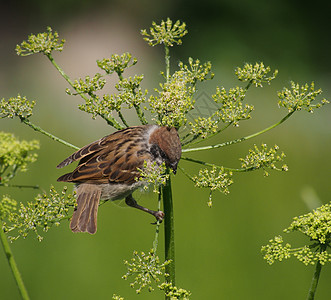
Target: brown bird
[(108, 169)]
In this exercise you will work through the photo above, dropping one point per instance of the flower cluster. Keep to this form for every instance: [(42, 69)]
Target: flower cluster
[(46, 43), (256, 75), (300, 97), (16, 107), (14, 156), (44, 212), (203, 126), (232, 109), (7, 207), (195, 71), (117, 63), (263, 158), (166, 33), (214, 179), (153, 174), (173, 292), (88, 85), (131, 92), (146, 268), (174, 101), (103, 107), (317, 226)]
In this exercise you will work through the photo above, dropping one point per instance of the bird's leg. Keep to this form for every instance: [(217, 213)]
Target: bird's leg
[(129, 200)]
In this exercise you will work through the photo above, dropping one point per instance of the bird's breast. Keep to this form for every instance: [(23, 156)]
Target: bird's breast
[(116, 191)]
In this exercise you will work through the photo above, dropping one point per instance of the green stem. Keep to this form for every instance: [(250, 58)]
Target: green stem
[(140, 114), (206, 138), (316, 276), (248, 85), (36, 187), (53, 137), (169, 231), (12, 265), (167, 62), (240, 139), (157, 229), (122, 118), (186, 174), (63, 74), (219, 167)]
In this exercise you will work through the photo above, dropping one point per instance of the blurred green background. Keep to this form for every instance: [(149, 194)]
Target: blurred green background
[(217, 250)]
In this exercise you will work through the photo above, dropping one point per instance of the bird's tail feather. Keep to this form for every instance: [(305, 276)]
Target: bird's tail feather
[(84, 218)]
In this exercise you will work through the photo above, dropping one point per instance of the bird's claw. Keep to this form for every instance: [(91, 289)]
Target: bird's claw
[(159, 215)]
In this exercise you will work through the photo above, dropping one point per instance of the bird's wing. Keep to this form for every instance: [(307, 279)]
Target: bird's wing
[(114, 158)]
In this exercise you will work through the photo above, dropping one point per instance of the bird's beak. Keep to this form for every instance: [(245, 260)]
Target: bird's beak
[(174, 167)]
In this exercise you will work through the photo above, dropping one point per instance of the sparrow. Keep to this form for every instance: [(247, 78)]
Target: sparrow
[(108, 169)]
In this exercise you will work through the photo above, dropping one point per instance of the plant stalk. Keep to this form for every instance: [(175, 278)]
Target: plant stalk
[(12, 264), (157, 229), (169, 231), (316, 276), (167, 62)]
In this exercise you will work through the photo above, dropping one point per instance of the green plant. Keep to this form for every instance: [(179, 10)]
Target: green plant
[(316, 226), (169, 105)]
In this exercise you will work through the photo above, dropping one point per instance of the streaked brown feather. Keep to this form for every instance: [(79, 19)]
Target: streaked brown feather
[(109, 159)]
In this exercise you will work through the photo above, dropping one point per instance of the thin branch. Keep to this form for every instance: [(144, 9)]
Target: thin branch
[(186, 174), (167, 62), (158, 223), (122, 118), (36, 187), (53, 137), (206, 138), (240, 139), (140, 114), (219, 167)]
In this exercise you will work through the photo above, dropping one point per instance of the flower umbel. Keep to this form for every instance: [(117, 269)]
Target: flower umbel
[(203, 126), (263, 158), (316, 225), (15, 156), (41, 214), (88, 85), (16, 107), (46, 43), (300, 97), (174, 101), (173, 292), (232, 109), (214, 179), (256, 75), (146, 268), (166, 33), (117, 63), (196, 71)]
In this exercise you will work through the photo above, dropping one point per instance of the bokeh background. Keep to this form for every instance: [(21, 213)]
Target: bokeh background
[(218, 249)]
